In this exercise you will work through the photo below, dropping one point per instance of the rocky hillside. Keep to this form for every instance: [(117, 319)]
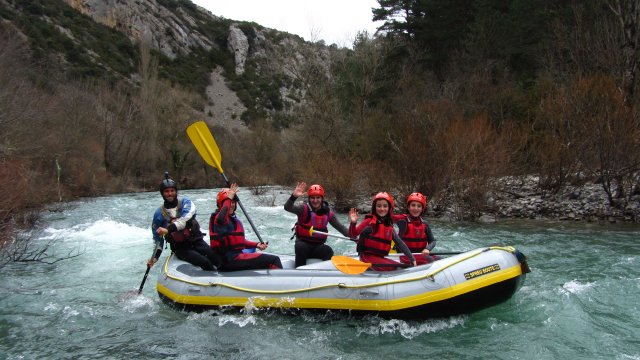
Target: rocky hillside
[(171, 27), (246, 71)]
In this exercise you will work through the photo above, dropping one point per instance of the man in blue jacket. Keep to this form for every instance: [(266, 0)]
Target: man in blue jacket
[(175, 221)]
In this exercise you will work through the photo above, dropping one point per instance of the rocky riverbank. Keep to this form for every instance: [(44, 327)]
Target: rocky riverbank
[(518, 198), (522, 198)]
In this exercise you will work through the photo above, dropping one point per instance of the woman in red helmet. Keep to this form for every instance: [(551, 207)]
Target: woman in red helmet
[(376, 233), (414, 230), (227, 238), (316, 213)]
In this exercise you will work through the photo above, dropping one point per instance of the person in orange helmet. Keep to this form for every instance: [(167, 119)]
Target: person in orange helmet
[(414, 230), (226, 234), (376, 233), (316, 213)]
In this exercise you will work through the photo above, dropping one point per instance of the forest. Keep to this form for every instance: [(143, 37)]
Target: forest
[(446, 97)]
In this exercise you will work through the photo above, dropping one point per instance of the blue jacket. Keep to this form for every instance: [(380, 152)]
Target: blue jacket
[(162, 218)]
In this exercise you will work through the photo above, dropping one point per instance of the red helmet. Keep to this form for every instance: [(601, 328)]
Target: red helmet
[(416, 196), (384, 195), (222, 196), (315, 190)]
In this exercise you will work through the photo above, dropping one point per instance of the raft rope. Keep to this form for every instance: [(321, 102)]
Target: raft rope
[(429, 275)]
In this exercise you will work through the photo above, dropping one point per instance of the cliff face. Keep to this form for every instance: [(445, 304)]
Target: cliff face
[(177, 28), (261, 70), (172, 31)]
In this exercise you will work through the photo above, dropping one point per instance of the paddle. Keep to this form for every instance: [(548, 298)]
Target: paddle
[(311, 231), (445, 253), (144, 279), (133, 293), (208, 149), (352, 266)]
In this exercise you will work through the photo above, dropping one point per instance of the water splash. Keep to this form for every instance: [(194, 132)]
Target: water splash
[(410, 330), (576, 287)]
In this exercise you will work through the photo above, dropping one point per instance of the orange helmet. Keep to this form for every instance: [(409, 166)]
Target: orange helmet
[(315, 190), (416, 196), (222, 196), (383, 195)]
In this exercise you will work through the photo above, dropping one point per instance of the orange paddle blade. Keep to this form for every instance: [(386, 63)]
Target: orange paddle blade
[(349, 265)]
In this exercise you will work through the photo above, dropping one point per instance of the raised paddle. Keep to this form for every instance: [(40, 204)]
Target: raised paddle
[(352, 266), (208, 149), (312, 231)]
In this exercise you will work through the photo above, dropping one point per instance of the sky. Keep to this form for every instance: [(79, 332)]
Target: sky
[(334, 21)]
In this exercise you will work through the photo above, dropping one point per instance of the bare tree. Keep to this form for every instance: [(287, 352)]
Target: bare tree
[(628, 14), (23, 248)]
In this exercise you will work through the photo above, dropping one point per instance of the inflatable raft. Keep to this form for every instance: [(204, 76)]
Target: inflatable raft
[(453, 285)]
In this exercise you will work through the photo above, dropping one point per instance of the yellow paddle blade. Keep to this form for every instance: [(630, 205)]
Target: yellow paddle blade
[(311, 231), (349, 265), (206, 145), (393, 250)]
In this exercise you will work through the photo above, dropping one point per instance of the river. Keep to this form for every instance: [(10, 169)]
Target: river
[(579, 301)]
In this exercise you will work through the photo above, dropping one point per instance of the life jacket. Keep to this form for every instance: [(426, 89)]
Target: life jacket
[(378, 242), (191, 231), (415, 235), (225, 238), (312, 218)]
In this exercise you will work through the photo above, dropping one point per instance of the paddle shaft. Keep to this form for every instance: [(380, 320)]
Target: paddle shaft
[(445, 253), (438, 253), (391, 265), (327, 234), (313, 231), (144, 279), (244, 211), (346, 238)]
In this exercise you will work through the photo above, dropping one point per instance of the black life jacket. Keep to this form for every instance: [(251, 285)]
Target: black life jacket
[(191, 231)]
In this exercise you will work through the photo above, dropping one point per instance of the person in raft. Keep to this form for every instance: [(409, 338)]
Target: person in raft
[(227, 238), (176, 222), (414, 231), (376, 233), (316, 213)]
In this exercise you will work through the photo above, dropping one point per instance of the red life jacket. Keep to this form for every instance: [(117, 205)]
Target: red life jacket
[(310, 218), (378, 242), (229, 237), (415, 235)]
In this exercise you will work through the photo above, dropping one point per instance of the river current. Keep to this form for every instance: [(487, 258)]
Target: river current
[(581, 300)]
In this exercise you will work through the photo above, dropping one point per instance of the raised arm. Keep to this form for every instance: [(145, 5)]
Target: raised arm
[(158, 239), (297, 192), (223, 215), (338, 225)]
